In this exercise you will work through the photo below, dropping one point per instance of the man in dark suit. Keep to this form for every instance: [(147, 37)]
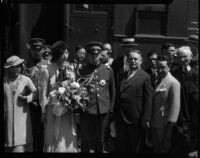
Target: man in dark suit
[(120, 65), (170, 50), (185, 137), (133, 111), (99, 80), (152, 70)]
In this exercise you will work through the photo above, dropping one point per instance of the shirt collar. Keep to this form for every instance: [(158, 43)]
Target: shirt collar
[(188, 67)]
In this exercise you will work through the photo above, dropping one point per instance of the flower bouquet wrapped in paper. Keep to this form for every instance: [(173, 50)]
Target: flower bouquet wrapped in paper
[(69, 95)]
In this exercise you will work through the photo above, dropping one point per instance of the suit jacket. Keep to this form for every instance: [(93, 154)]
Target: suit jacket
[(136, 96), (153, 79), (101, 88), (189, 93), (166, 103)]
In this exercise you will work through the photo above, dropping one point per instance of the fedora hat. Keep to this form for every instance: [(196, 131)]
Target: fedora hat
[(89, 45), (128, 42), (13, 61)]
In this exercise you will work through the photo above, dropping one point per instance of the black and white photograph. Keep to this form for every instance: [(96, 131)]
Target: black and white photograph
[(106, 79)]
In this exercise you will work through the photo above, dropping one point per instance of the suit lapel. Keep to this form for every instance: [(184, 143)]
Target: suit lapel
[(163, 82), (131, 80)]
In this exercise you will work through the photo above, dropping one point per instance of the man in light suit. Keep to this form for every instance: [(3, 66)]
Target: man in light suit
[(165, 108), (134, 106)]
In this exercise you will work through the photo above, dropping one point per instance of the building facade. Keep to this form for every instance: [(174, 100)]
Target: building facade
[(150, 24)]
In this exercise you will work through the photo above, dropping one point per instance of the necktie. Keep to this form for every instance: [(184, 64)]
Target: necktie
[(157, 82), (155, 74), (185, 70), (130, 74)]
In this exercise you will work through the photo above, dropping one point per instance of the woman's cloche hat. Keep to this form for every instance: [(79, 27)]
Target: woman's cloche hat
[(13, 61)]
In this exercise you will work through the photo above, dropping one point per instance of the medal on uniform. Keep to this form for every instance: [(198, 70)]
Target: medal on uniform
[(91, 88), (102, 82)]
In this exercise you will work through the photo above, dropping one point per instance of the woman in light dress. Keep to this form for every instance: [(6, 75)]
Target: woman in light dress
[(60, 131), (19, 90)]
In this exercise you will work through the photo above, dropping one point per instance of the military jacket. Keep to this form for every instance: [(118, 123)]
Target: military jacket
[(99, 80)]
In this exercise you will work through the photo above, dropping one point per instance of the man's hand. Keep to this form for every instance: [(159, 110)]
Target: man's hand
[(146, 124)]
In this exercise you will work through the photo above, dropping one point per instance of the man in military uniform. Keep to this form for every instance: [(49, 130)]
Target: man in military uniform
[(79, 59), (106, 54), (99, 80), (46, 55), (32, 70)]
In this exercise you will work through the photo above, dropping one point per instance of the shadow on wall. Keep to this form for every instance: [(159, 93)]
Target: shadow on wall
[(131, 25), (50, 23), (9, 25)]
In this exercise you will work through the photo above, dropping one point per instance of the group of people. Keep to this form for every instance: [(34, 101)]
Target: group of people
[(139, 111)]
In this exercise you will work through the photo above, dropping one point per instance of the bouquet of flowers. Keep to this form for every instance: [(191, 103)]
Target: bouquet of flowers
[(69, 94)]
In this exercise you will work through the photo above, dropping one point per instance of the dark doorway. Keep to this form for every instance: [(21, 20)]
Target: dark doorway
[(89, 22), (50, 24)]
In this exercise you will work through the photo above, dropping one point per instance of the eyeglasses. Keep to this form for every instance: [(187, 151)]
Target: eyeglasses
[(171, 50), (153, 59)]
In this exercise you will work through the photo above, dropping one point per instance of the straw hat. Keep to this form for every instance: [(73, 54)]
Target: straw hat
[(128, 42), (13, 61)]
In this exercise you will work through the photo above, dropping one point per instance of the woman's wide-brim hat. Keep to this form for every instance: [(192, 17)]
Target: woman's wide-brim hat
[(128, 42), (13, 61)]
